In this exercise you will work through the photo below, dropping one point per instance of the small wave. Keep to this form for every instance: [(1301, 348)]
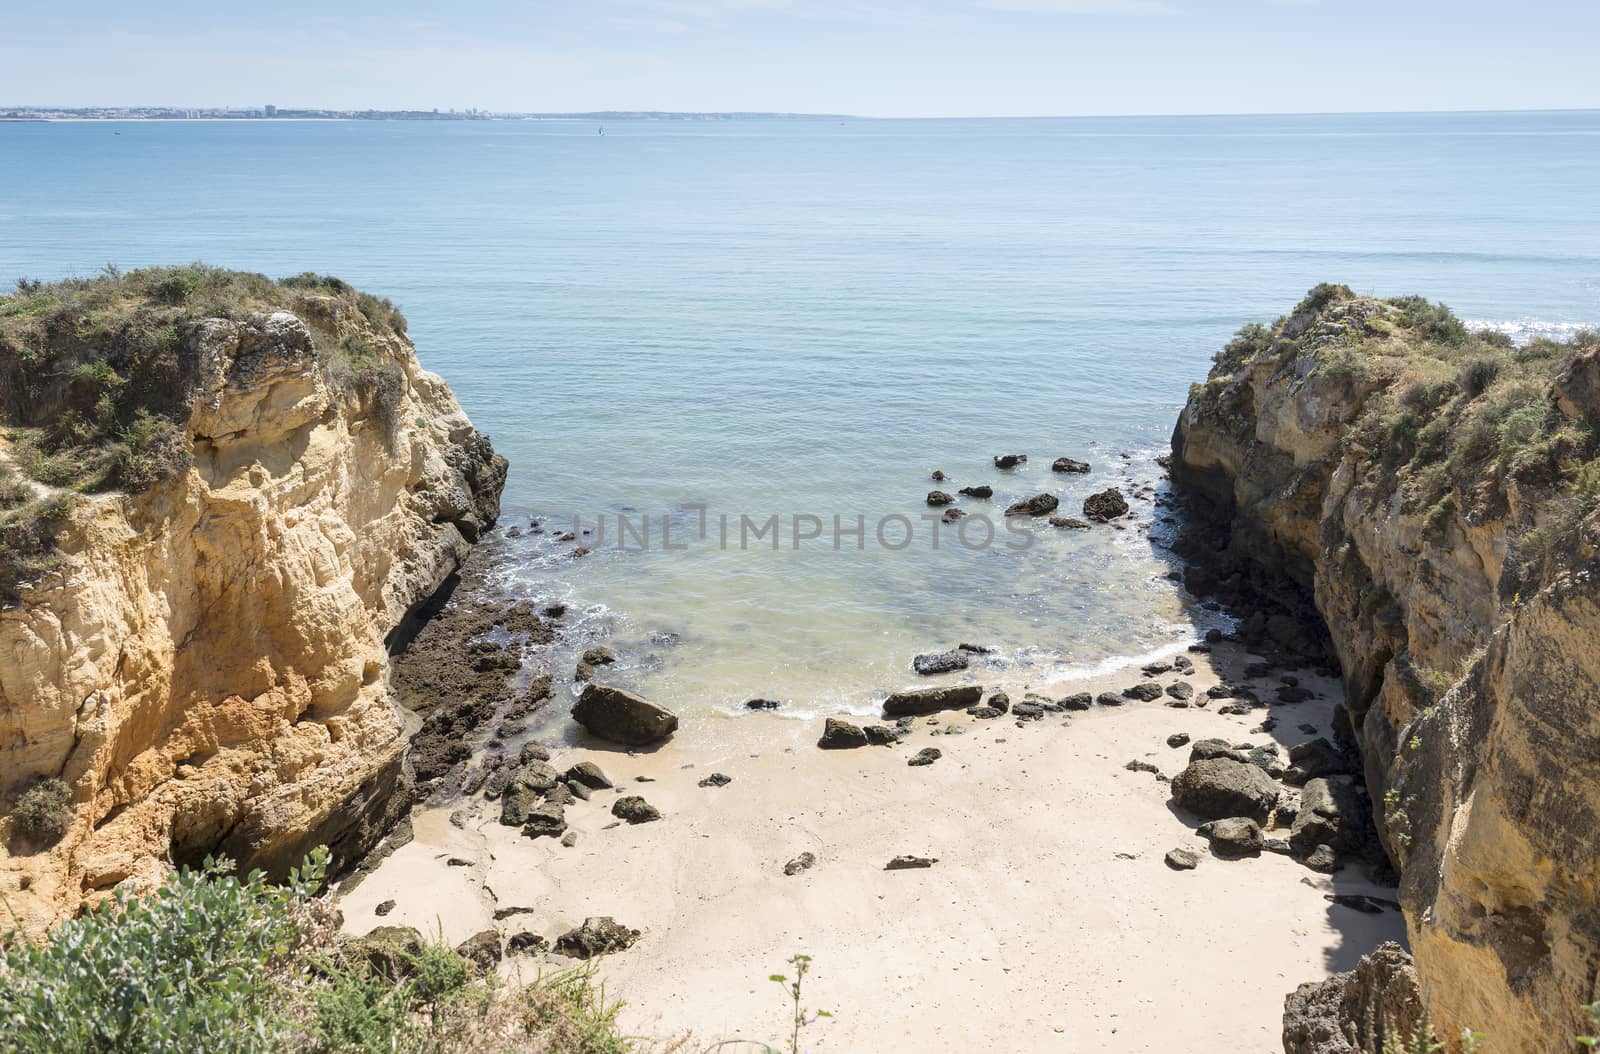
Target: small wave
[(1526, 330)]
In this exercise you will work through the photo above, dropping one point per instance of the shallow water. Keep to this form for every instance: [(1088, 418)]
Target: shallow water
[(807, 317)]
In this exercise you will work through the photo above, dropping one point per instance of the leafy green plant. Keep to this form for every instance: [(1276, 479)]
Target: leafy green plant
[(801, 1018)]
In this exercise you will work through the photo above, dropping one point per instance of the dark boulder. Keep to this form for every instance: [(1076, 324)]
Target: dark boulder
[(599, 655), (634, 809), (762, 704), (937, 498), (841, 735), (926, 756), (1219, 788), (1067, 522), (1182, 859), (589, 774), (982, 490), (803, 862), (482, 950), (716, 779), (546, 820), (910, 863), (1077, 701), (622, 717), (1067, 464), (1145, 692), (931, 700), (1334, 812), (1038, 505), (1010, 460), (1376, 1006), (597, 936), (1234, 836), (1109, 699), (932, 663), (1104, 506)]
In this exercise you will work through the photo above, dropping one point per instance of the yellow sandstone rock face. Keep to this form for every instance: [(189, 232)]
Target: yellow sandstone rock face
[(1472, 675), (209, 671)]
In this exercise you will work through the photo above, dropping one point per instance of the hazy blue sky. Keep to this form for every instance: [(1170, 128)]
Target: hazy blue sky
[(880, 57)]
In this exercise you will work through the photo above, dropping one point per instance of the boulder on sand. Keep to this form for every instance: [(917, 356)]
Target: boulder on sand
[(596, 936), (1219, 788), (1038, 505), (931, 700), (841, 735), (1107, 505), (622, 717)]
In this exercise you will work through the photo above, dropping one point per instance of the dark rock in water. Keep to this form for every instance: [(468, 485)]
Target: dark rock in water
[(1219, 788), (984, 713), (938, 476), (665, 638), (977, 649), (589, 774), (1067, 464), (1077, 701), (1109, 699), (482, 950), (1038, 505), (939, 497), (716, 779), (1105, 506), (1182, 859), (597, 936), (884, 735), (1010, 460), (1178, 739), (514, 532), (526, 943), (931, 700), (1026, 711), (599, 655), (1146, 692), (908, 863), (926, 756), (555, 610), (1234, 836), (1181, 690), (384, 908), (1314, 758), (1066, 522), (932, 663), (952, 515), (841, 735), (622, 717), (634, 809), (583, 672), (1376, 1006), (982, 490), (762, 704), (546, 820), (1213, 636), (1142, 766), (803, 862)]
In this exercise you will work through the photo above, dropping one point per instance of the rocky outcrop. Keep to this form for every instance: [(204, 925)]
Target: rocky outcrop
[(207, 670), (1429, 491), (1375, 1007)]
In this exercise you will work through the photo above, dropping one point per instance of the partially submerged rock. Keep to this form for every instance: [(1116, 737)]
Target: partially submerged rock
[(1104, 506), (1067, 464), (1010, 460), (620, 716), (932, 663), (1038, 505)]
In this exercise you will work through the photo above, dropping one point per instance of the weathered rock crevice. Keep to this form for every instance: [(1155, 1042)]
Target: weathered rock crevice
[(1471, 663)]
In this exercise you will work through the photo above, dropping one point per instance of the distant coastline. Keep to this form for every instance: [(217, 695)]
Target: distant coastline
[(273, 113)]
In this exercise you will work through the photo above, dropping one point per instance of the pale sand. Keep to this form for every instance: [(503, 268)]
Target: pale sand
[(1050, 922)]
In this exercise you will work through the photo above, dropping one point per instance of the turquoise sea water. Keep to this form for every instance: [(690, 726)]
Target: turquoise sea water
[(807, 317)]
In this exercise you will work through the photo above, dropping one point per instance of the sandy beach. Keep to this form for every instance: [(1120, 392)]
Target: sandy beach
[(1050, 921)]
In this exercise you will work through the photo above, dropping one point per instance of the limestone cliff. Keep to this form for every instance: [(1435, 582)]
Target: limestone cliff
[(1434, 492), (201, 656)]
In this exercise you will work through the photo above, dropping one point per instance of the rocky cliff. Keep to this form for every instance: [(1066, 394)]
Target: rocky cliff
[(221, 495), (1433, 492)]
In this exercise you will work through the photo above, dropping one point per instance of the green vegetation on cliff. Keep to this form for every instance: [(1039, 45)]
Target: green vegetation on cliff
[(1451, 419), (97, 378)]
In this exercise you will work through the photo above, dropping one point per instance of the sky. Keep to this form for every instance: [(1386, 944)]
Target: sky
[(889, 58)]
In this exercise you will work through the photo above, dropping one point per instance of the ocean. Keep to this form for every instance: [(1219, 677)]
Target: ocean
[(722, 322)]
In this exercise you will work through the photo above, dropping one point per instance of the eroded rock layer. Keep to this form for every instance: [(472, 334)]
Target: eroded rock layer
[(1433, 491), (206, 668)]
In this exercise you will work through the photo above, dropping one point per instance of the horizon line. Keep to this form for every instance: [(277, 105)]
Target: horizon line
[(635, 114)]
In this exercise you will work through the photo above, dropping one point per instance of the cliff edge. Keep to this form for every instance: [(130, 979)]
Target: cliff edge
[(1434, 492), (219, 494)]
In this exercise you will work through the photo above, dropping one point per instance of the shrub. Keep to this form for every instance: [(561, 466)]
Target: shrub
[(44, 812), (1476, 376), (1320, 296)]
